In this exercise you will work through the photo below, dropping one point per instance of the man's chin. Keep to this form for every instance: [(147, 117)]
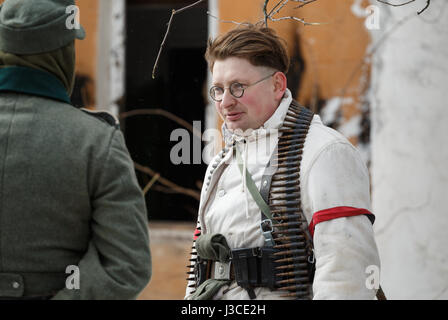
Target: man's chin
[(240, 125), (235, 125)]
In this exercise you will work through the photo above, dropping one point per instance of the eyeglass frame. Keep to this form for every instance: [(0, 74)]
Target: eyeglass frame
[(244, 87)]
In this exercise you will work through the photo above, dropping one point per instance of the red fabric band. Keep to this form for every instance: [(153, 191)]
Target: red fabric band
[(337, 212), (197, 233)]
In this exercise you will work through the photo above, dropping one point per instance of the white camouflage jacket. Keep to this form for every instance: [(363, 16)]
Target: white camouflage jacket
[(334, 182)]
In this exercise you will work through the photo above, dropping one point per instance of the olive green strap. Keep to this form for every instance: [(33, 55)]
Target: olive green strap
[(252, 187)]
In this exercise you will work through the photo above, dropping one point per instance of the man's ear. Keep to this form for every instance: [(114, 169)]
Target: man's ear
[(280, 85)]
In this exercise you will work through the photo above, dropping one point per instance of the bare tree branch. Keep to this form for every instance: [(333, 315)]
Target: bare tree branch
[(151, 183), (155, 175), (265, 10), (164, 189), (163, 113), (227, 21), (162, 45), (395, 5), (426, 7), (188, 7), (298, 19), (280, 5), (304, 3), (189, 192), (173, 12), (405, 3), (277, 8)]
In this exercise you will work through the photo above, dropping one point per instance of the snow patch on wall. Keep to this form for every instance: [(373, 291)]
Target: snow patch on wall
[(329, 113), (357, 9), (352, 127)]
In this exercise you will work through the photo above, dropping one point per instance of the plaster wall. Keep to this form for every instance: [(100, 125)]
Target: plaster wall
[(409, 149)]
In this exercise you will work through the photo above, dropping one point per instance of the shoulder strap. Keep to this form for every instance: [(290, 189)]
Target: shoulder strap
[(268, 173), (104, 116), (251, 186)]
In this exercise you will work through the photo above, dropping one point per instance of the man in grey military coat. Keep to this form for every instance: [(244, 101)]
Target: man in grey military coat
[(73, 221)]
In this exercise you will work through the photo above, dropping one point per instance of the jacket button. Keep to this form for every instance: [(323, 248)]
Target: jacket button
[(221, 193)]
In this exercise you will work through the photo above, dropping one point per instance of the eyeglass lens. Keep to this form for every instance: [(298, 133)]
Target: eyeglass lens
[(236, 90)]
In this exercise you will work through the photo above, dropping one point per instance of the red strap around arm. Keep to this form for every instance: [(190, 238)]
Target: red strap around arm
[(337, 212), (197, 233)]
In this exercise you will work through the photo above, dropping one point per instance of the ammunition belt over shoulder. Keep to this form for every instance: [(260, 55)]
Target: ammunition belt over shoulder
[(288, 264)]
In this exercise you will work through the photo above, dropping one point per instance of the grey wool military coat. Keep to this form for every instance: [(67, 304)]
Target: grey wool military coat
[(69, 198)]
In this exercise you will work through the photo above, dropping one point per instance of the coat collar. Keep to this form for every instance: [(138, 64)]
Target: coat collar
[(32, 81)]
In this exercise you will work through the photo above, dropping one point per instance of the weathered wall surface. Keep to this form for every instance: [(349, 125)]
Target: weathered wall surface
[(86, 50), (410, 150)]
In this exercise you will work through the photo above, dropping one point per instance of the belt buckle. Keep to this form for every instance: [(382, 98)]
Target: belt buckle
[(267, 228), (222, 270)]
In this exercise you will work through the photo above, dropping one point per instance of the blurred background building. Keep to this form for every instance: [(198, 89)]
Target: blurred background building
[(375, 72)]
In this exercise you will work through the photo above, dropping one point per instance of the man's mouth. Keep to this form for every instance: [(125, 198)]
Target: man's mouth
[(233, 116)]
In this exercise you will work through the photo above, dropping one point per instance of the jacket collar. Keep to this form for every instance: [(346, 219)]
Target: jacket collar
[(32, 81)]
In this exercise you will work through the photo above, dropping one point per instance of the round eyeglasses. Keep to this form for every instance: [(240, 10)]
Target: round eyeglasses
[(236, 89)]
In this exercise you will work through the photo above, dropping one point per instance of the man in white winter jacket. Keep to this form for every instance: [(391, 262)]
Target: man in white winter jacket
[(250, 92)]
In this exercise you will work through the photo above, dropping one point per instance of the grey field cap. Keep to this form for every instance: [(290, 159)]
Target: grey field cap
[(37, 26)]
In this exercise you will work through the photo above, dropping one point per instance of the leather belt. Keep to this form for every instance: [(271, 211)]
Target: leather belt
[(31, 284)]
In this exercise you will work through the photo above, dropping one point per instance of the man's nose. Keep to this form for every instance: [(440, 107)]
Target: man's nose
[(227, 99)]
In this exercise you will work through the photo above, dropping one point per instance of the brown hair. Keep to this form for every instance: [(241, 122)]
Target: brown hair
[(259, 45)]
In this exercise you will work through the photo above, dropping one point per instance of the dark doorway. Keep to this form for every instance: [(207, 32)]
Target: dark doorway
[(178, 88)]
